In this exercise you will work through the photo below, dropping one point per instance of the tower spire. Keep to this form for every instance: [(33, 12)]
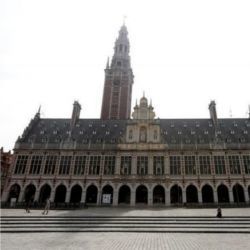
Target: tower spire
[(117, 93)]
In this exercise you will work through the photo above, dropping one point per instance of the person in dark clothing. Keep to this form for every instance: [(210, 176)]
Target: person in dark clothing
[(219, 214), (28, 204)]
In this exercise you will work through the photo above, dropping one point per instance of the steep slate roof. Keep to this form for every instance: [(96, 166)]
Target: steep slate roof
[(173, 131)]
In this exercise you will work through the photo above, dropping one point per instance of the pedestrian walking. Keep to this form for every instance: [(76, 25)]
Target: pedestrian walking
[(47, 206), (28, 203), (219, 213)]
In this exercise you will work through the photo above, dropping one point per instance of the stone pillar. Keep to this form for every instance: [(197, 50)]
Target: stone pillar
[(134, 165), (4, 196), (231, 197), (118, 165), (83, 198), (99, 197), (246, 195), (166, 165), (150, 165), (132, 198), (167, 197), (37, 194), (52, 195), (215, 196), (150, 197), (184, 196), (115, 197), (21, 195), (67, 199), (199, 196)]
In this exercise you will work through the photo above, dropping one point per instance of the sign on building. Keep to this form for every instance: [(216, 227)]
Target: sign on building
[(106, 198)]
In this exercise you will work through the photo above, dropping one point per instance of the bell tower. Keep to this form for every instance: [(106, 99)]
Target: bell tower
[(117, 92)]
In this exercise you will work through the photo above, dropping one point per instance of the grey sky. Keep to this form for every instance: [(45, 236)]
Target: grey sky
[(183, 54)]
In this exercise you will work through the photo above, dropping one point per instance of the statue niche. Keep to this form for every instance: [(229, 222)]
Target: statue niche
[(143, 134)]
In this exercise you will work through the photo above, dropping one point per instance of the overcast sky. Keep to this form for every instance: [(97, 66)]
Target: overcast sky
[(183, 54)]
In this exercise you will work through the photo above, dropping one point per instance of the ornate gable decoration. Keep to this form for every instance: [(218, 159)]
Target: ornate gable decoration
[(143, 111)]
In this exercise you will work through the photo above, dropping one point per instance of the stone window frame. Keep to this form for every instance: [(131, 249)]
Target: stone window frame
[(36, 164), (21, 164)]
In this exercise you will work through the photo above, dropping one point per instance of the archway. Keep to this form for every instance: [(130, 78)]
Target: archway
[(45, 192), (141, 194), (207, 194), (14, 192), (60, 194), (107, 195), (176, 194), (223, 195), (29, 193), (238, 193), (76, 194), (159, 194), (124, 194), (192, 194), (91, 195)]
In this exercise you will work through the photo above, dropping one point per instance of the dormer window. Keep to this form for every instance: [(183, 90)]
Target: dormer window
[(206, 132), (185, 125), (179, 132), (107, 132), (172, 125), (197, 125), (235, 125), (219, 132), (42, 132), (90, 125), (115, 125), (192, 132), (232, 132), (68, 132), (245, 132), (77, 125), (94, 132), (81, 132), (55, 132), (210, 125), (103, 125)]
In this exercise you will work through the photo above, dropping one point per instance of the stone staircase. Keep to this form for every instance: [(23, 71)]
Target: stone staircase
[(45, 223)]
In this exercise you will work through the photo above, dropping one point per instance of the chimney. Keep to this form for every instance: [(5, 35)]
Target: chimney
[(75, 114), (213, 113)]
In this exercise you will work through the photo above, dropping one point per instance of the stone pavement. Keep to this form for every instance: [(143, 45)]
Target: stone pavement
[(122, 241), (122, 211)]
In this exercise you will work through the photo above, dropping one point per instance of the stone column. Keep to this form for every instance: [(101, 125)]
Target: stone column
[(167, 197), (246, 195), (118, 164), (21, 195), (166, 165), (134, 165), (83, 197), (115, 197), (52, 195), (37, 194), (184, 196), (150, 197), (132, 198), (215, 196), (150, 165), (99, 197), (67, 199), (231, 197), (199, 196)]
